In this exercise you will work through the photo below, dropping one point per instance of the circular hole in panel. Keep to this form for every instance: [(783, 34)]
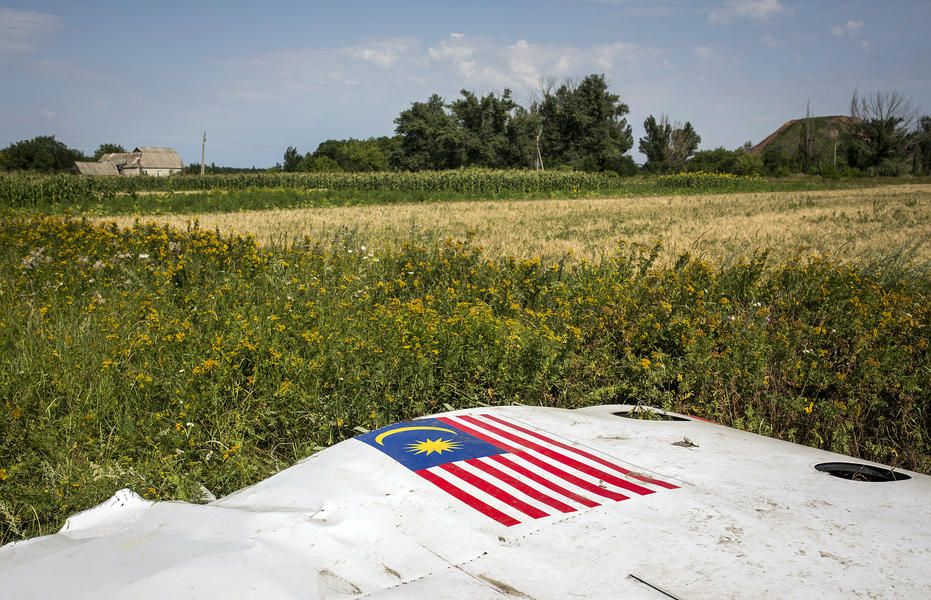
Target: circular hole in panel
[(860, 472), (647, 413)]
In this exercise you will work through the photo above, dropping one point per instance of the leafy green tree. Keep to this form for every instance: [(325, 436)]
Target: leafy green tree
[(877, 140), (923, 146), (291, 160), (806, 151), (355, 155), (486, 123), (749, 164), (520, 152), (429, 136), (107, 149), (42, 153), (777, 162), (667, 146), (721, 160), (583, 126), (320, 164), (655, 143)]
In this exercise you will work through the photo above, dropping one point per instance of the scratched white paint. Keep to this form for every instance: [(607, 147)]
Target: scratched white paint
[(752, 519)]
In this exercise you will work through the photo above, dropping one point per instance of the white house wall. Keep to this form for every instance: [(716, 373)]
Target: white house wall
[(160, 172)]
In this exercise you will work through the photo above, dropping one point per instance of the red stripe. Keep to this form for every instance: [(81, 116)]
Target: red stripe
[(703, 419), (585, 485), (543, 481), (520, 485), (485, 509), (581, 452), (569, 462), (492, 490), (577, 481), (478, 434)]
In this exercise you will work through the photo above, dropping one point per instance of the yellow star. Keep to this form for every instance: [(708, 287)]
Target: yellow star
[(429, 446)]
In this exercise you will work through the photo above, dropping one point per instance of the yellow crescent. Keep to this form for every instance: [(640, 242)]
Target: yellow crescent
[(381, 436)]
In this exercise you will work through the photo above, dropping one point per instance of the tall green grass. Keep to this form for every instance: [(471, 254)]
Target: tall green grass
[(165, 360)]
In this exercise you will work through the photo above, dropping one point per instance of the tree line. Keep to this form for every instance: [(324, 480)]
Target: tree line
[(581, 125), (46, 154)]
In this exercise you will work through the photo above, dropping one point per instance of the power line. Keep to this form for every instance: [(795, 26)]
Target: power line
[(245, 144)]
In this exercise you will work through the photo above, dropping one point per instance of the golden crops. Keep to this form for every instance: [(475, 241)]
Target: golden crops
[(851, 225)]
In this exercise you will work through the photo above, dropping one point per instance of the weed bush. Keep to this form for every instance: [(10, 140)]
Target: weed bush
[(702, 181), (166, 360)]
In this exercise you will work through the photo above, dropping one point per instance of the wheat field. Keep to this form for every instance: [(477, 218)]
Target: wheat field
[(852, 225)]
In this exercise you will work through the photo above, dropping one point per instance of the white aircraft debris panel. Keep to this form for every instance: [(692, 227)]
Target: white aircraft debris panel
[(513, 502)]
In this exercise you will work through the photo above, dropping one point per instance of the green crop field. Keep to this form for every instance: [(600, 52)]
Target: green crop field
[(229, 193)]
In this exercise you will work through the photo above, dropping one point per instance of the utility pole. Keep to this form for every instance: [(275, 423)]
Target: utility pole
[(203, 143), (539, 155), (834, 137)]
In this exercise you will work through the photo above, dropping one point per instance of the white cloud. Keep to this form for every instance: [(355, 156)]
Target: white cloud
[(383, 53), (21, 31), (851, 27), (484, 63), (456, 51), (753, 10), (285, 73), (703, 52), (767, 39), (446, 66)]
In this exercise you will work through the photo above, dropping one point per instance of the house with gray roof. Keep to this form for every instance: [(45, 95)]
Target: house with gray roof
[(144, 160), (96, 168)]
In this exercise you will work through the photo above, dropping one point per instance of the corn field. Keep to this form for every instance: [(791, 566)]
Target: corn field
[(27, 190)]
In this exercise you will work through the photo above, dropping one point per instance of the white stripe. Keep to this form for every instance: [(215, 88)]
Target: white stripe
[(492, 480), (479, 494), (562, 451), (590, 479), (568, 486), (550, 461), (543, 458)]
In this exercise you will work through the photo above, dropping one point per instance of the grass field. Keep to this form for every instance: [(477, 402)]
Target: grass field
[(172, 359), (853, 225)]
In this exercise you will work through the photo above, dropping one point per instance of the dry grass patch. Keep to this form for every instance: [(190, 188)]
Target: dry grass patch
[(849, 224)]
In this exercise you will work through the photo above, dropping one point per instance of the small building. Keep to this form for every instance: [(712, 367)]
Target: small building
[(156, 162), (144, 160)]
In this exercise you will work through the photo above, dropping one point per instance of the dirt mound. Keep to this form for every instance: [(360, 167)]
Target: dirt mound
[(788, 136)]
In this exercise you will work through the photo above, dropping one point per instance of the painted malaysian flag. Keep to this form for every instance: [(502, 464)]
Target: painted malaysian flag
[(507, 471)]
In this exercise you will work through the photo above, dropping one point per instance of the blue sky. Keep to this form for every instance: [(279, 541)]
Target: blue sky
[(262, 76)]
